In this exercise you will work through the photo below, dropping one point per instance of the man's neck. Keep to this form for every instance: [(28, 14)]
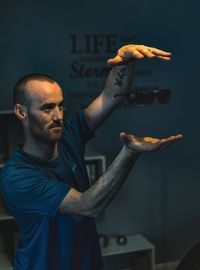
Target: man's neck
[(41, 150)]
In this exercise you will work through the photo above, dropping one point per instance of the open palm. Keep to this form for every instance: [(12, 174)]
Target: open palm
[(146, 144)]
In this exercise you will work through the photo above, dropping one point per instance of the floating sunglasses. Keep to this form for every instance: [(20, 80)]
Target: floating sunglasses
[(145, 97)]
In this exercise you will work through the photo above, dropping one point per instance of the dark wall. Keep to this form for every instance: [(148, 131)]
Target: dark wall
[(71, 41)]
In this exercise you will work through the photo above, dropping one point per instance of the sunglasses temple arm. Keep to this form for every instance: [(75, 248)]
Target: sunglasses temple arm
[(122, 94)]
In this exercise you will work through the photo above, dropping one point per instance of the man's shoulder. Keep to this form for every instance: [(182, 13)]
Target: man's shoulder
[(16, 167), (11, 166), (17, 175), (74, 119), (76, 127)]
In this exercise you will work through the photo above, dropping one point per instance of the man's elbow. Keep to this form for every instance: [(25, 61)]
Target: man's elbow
[(77, 203), (88, 207)]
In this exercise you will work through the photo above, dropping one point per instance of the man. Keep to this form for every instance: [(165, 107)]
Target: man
[(45, 183)]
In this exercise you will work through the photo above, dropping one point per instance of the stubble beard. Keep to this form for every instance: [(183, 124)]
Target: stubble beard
[(42, 134)]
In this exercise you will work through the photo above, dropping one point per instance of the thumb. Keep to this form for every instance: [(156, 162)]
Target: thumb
[(123, 137), (114, 61)]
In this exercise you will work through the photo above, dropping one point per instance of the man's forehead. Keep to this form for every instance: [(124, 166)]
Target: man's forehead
[(43, 89), (42, 84)]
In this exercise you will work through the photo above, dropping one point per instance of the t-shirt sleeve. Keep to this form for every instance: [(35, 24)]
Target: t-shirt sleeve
[(30, 191), (77, 129)]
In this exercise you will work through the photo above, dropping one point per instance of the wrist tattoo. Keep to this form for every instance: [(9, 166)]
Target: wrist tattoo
[(121, 74)]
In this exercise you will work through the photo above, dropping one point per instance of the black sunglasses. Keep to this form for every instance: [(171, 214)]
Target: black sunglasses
[(144, 97)]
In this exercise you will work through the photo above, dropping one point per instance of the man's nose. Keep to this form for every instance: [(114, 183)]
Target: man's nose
[(57, 114)]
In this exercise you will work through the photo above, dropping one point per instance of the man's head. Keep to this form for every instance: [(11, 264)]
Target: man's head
[(38, 103), (20, 93)]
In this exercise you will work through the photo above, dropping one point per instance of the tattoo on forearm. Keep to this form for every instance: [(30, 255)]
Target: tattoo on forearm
[(121, 74)]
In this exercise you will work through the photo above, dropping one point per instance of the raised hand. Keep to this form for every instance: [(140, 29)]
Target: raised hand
[(146, 144), (132, 51)]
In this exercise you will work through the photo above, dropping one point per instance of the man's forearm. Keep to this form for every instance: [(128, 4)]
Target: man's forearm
[(98, 196), (119, 81)]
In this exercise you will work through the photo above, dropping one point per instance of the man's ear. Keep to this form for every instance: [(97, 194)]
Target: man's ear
[(20, 111)]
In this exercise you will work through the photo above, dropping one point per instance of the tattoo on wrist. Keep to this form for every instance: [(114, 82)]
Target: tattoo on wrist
[(120, 76)]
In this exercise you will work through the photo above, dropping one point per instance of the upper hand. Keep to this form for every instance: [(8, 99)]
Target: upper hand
[(132, 51), (146, 144)]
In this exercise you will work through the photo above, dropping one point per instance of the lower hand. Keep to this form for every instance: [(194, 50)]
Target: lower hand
[(130, 52), (146, 144)]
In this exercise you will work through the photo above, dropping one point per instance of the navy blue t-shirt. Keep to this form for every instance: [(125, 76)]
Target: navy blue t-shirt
[(33, 190)]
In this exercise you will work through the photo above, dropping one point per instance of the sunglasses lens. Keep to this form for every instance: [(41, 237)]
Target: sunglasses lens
[(164, 95), (143, 99)]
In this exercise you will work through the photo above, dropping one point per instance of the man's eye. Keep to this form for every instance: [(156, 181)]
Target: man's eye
[(51, 108), (61, 107), (47, 109)]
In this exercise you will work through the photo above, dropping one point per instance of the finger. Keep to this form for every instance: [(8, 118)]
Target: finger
[(162, 143), (164, 58), (168, 141), (179, 136), (123, 137), (122, 134), (172, 138), (151, 52), (126, 53), (129, 138), (166, 145), (126, 137), (131, 53), (116, 60), (159, 52), (137, 51), (146, 51), (124, 56)]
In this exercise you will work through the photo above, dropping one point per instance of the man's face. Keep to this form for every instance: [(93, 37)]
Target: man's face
[(45, 114)]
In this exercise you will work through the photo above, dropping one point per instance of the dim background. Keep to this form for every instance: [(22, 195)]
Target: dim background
[(160, 198)]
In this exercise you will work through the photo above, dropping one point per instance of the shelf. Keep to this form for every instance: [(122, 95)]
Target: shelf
[(134, 243), (137, 254), (6, 217), (5, 263), (4, 213), (95, 165), (8, 112)]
